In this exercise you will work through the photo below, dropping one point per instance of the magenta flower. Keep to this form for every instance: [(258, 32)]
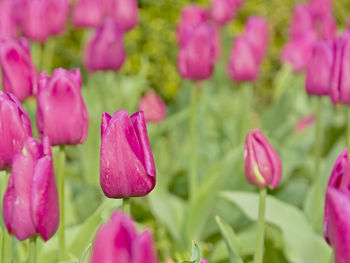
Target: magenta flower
[(61, 112), (318, 75), (126, 162), (262, 164), (302, 21), (8, 27), (125, 13), (153, 107), (304, 123), (14, 129), (117, 242), (19, 75), (30, 205), (89, 13), (222, 11), (203, 261), (191, 17), (197, 57), (105, 50)]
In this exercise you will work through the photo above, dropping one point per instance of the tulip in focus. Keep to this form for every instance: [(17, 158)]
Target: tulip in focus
[(222, 11), (262, 163), (8, 27), (89, 13), (105, 50), (30, 205), (126, 162), (14, 129), (118, 242), (153, 107), (318, 75), (197, 57), (61, 112), (125, 13), (19, 75)]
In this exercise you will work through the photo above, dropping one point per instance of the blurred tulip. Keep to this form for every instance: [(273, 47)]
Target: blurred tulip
[(117, 242), (191, 17), (340, 78), (61, 113), (257, 33), (105, 50), (89, 13), (19, 75), (15, 128), (8, 27), (197, 57), (302, 21), (153, 107), (262, 163), (30, 205), (203, 261), (125, 13), (126, 162), (318, 75), (217, 43), (320, 8), (243, 64), (326, 27), (222, 11), (338, 203), (304, 123)]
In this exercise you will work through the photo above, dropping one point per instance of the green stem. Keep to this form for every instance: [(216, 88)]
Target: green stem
[(259, 254), (348, 127), (42, 56), (32, 250), (61, 172), (7, 239), (193, 138), (126, 206)]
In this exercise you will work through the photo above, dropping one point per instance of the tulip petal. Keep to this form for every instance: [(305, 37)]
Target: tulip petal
[(143, 249)]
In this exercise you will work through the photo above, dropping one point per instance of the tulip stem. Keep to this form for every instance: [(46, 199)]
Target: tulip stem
[(42, 56), (259, 253), (7, 239), (348, 128), (126, 206), (32, 250), (193, 138), (61, 166)]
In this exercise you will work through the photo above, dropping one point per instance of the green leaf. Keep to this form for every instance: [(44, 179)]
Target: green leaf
[(301, 244), (231, 240), (196, 253)]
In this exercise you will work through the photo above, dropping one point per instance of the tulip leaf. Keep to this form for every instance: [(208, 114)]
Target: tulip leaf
[(196, 253), (301, 244), (231, 240)]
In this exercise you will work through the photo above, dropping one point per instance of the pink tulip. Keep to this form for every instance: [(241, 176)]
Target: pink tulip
[(321, 8), (203, 261), (302, 21), (14, 129), (125, 13), (117, 242), (105, 50), (326, 27), (61, 113), (8, 27), (153, 107), (304, 123), (126, 162), (222, 11), (30, 205), (197, 57), (262, 163), (191, 17), (19, 75), (89, 13), (243, 62), (318, 75)]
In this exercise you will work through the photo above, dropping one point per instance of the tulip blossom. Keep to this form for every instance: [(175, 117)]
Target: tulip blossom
[(222, 11), (125, 13), (126, 162), (191, 17), (302, 21), (19, 75), (197, 57), (262, 163), (30, 205), (8, 27), (105, 50), (153, 107), (203, 261), (14, 128), (318, 75), (118, 242), (304, 123), (89, 13), (61, 113)]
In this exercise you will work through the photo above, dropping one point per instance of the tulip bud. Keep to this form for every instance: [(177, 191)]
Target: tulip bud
[(126, 162), (153, 107), (302, 21), (191, 17), (61, 112), (125, 13), (338, 203), (30, 205), (8, 28), (318, 75), (262, 163), (105, 50), (19, 75), (243, 64), (257, 33), (197, 57), (222, 11), (14, 128), (89, 13), (203, 261), (117, 241)]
